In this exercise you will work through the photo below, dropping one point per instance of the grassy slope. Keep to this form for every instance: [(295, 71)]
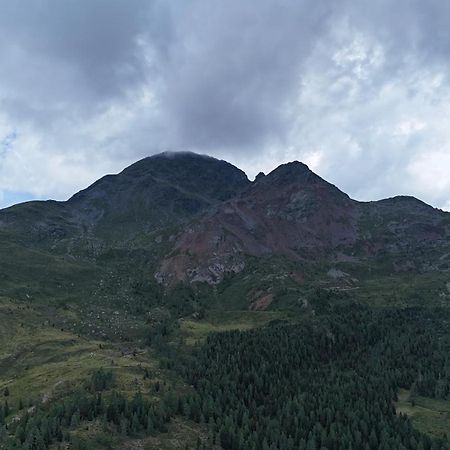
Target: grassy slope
[(427, 415), (39, 363), (31, 272), (38, 360), (196, 331)]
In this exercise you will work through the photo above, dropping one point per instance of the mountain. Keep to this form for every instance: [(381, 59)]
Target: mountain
[(182, 217), (150, 194), (46, 244), (106, 301), (155, 192), (295, 213)]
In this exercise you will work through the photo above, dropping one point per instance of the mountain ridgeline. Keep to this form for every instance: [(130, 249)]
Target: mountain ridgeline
[(178, 305), (192, 219)]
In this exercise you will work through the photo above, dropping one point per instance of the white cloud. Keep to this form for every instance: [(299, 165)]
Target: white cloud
[(429, 173), (88, 88)]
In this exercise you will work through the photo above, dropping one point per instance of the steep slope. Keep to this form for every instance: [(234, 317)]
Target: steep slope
[(191, 218), (407, 232), (152, 193), (291, 211), (115, 222), (294, 213), (155, 192)]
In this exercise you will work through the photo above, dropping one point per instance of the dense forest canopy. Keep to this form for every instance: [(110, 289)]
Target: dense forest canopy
[(325, 383)]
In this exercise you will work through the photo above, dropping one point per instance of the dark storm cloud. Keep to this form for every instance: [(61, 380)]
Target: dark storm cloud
[(93, 40), (357, 89), (237, 64), (236, 67), (407, 27)]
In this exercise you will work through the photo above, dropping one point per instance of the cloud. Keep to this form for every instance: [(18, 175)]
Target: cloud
[(71, 50), (231, 78), (359, 90)]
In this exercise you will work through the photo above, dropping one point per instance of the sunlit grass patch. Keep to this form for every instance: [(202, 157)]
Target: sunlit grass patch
[(427, 415), (217, 321)]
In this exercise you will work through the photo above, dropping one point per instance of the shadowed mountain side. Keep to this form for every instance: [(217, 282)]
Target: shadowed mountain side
[(192, 218), (153, 193), (295, 213), (120, 223)]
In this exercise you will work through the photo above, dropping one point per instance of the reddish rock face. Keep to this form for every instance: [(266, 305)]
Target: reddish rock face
[(291, 211), (261, 303), (193, 218), (295, 213)]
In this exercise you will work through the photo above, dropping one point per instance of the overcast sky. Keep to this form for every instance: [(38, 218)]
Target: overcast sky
[(359, 90)]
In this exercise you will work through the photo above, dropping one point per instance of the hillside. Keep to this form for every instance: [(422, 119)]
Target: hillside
[(294, 213), (127, 280), (187, 218)]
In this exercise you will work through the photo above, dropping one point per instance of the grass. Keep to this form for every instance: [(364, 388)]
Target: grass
[(39, 361), (405, 289), (196, 331), (49, 347), (428, 415), (180, 432)]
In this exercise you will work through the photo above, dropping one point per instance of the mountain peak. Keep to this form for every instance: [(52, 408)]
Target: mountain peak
[(298, 174), (185, 163), (169, 187), (183, 154), (295, 165), (211, 218), (294, 171), (406, 203)]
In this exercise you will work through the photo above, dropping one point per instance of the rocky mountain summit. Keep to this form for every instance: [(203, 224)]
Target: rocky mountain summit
[(187, 218), (155, 192), (295, 213)]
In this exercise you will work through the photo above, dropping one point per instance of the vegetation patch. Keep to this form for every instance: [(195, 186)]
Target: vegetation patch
[(428, 415), (196, 331)]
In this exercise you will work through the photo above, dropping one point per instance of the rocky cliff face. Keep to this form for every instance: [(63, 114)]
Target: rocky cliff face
[(291, 211), (193, 218), (294, 213)]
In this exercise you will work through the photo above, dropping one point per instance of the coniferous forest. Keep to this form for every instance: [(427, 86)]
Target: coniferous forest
[(325, 383), (329, 385)]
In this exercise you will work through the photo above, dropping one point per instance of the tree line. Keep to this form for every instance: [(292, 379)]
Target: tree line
[(325, 385)]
